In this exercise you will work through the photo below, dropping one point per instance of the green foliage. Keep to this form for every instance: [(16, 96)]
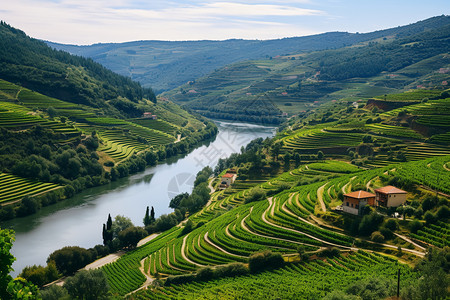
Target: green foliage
[(11, 288), (255, 194), (130, 236), (377, 237), (88, 285), (58, 74), (70, 259), (372, 289), (119, 224), (40, 275), (265, 260), (54, 292)]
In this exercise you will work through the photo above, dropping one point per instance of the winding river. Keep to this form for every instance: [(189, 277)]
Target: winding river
[(78, 221)]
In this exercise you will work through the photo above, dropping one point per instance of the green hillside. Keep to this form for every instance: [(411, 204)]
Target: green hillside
[(262, 90), (287, 199), (32, 64), (51, 149), (166, 65)]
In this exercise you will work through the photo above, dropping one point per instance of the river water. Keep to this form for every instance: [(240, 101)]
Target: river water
[(78, 221)]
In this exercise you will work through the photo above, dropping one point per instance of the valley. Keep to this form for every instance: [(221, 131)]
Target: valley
[(346, 195)]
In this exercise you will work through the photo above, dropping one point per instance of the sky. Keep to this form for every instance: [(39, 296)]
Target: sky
[(85, 22)]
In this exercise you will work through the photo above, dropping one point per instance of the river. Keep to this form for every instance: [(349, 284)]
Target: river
[(78, 221)]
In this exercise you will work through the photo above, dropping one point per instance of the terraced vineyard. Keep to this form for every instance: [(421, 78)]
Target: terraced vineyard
[(434, 234), (312, 280), (17, 117), (234, 230), (160, 125), (15, 188)]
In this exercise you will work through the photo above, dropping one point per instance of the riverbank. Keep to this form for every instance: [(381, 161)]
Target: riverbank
[(79, 221)]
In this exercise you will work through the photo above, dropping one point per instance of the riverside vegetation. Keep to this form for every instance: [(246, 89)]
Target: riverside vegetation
[(276, 230)]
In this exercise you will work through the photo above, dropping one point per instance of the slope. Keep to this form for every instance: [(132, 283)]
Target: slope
[(166, 65), (294, 84)]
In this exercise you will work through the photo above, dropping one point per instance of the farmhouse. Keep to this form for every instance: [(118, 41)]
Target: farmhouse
[(355, 201), (149, 115), (390, 196), (227, 180)]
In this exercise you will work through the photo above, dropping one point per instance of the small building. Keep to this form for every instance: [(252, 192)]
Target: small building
[(149, 115), (354, 202), (390, 196), (228, 179)]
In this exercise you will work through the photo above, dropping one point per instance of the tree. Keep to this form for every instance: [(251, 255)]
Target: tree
[(70, 259), (40, 275), (54, 292), (433, 281), (255, 194), (7, 259), (130, 236), (429, 217), (11, 288), (120, 223), (187, 227), (88, 285), (320, 155), (415, 226), (147, 217), (152, 215)]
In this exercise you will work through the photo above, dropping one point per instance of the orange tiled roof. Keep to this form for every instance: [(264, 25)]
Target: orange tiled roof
[(228, 175), (390, 190), (359, 194)]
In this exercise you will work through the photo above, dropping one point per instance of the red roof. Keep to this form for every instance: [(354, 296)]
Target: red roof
[(390, 190), (228, 175), (359, 195)]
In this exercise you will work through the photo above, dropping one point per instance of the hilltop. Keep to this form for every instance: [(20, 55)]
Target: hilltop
[(67, 123), (270, 90), (165, 65)]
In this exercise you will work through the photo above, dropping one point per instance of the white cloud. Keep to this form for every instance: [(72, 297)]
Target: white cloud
[(89, 21)]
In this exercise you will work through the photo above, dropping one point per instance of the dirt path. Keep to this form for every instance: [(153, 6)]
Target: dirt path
[(147, 239), (263, 217), (104, 261), (183, 254), (410, 241), (219, 248), (445, 167), (268, 236), (419, 253), (320, 197), (148, 279), (347, 184)]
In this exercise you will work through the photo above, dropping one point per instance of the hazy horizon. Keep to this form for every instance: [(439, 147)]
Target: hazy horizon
[(85, 22)]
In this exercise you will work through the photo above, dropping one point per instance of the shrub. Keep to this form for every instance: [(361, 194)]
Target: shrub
[(429, 217), (391, 224), (204, 274), (255, 194), (443, 212), (179, 279), (265, 260), (88, 285), (329, 252), (377, 237)]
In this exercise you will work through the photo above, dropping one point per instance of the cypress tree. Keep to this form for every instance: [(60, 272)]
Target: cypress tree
[(147, 219), (152, 215), (104, 234), (109, 223)]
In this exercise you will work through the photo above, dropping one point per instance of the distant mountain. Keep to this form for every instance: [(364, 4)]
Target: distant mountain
[(165, 65), (261, 90)]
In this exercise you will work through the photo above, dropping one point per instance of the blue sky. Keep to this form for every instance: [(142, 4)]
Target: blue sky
[(94, 21)]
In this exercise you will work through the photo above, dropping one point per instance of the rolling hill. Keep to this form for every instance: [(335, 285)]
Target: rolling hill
[(67, 123), (262, 90), (164, 65)]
